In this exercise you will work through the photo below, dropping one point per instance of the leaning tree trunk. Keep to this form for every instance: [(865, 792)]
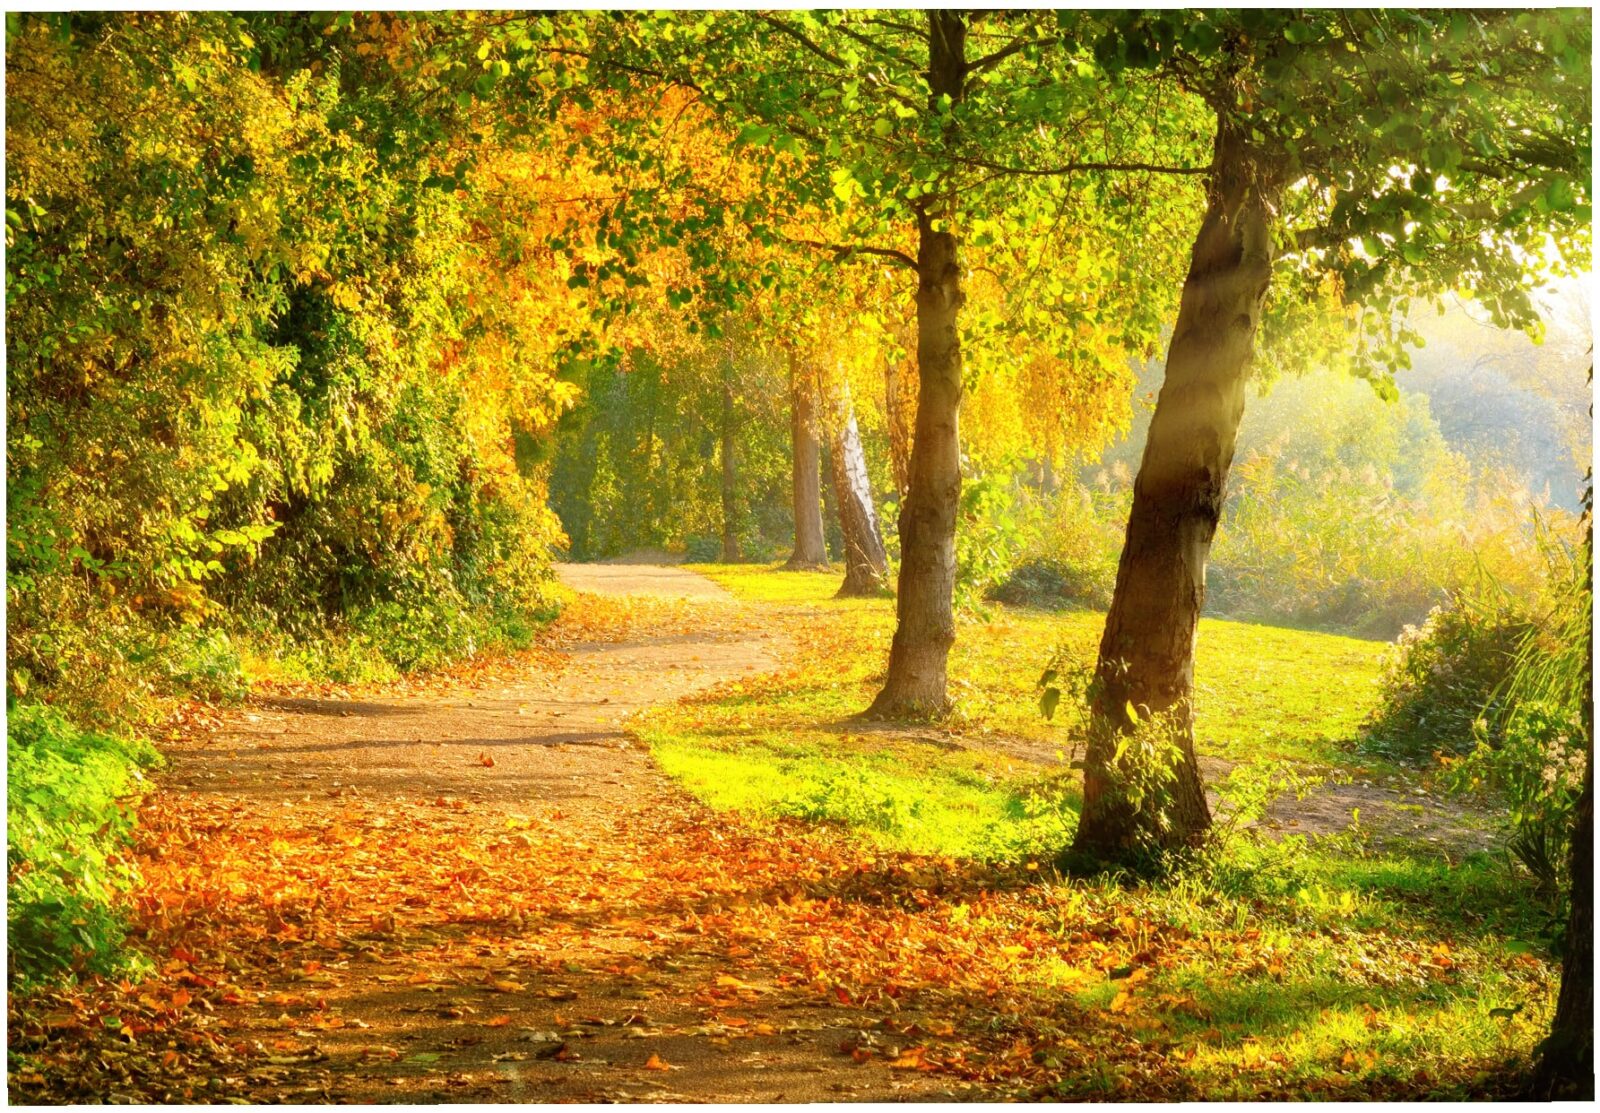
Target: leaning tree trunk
[(926, 628), (809, 549), (1145, 672), (866, 566), (730, 528)]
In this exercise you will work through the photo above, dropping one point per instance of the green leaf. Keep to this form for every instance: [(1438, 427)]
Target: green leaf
[(1559, 195), (882, 127), (1299, 32), (1049, 701), (754, 135)]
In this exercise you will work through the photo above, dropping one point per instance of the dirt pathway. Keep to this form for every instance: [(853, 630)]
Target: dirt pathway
[(485, 896)]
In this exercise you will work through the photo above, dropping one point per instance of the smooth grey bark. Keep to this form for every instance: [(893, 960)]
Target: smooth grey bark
[(925, 630), (810, 551), (1147, 652)]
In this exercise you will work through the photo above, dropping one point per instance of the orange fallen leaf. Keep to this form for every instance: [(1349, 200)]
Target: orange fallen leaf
[(485, 760), (508, 986), (497, 1021), (656, 1062), (912, 1058)]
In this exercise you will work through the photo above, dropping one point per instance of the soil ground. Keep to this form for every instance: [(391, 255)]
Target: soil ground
[(491, 894), (410, 1009)]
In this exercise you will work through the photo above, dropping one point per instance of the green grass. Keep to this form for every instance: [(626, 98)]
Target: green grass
[(1318, 967), (992, 782)]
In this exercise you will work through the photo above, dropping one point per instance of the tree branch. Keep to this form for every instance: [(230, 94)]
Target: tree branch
[(989, 61), (1077, 167), (782, 27), (845, 251)]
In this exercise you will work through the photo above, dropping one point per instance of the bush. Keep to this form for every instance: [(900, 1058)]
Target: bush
[(1531, 750), (992, 531), (1445, 677), (855, 798), (1072, 555), (698, 548), (67, 820)]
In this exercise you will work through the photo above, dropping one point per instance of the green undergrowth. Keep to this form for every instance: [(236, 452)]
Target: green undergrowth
[(76, 766), (1320, 966), (69, 795)]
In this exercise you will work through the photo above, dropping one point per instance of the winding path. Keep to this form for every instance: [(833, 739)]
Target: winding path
[(420, 957)]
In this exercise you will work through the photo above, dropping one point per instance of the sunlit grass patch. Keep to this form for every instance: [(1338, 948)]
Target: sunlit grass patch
[(771, 583), (987, 782), (1309, 1024)]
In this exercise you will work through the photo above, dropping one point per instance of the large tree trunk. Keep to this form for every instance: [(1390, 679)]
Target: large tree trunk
[(899, 411), (809, 550), (926, 629), (1147, 653), (730, 526), (866, 567)]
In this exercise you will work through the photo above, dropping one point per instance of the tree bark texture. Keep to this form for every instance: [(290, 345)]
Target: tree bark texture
[(730, 508), (810, 551), (925, 630), (1147, 652), (866, 566), (900, 407)]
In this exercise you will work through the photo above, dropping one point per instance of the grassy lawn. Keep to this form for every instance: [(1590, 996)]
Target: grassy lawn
[(1326, 966), (992, 782)]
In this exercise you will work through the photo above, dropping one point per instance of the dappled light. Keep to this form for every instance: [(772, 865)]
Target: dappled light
[(792, 556)]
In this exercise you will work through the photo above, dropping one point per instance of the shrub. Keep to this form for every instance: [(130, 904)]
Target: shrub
[(993, 529), (699, 548), (855, 798), (1072, 555), (1531, 750), (1442, 678), (67, 819)]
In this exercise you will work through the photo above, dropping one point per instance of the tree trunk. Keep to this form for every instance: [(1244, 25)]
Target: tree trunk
[(866, 567), (1147, 653), (899, 412), (926, 628), (809, 550), (730, 529)]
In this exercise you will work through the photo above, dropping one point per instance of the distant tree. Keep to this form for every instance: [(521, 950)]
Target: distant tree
[(810, 549), (899, 131)]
